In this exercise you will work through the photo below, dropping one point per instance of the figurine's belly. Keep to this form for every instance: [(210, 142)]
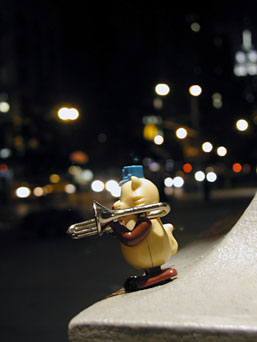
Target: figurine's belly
[(154, 251)]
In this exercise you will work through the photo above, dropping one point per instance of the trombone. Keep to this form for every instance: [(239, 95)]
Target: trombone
[(103, 216)]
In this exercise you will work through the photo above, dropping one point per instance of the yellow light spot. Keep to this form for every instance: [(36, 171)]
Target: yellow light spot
[(195, 27), (54, 178), (150, 131), (38, 191)]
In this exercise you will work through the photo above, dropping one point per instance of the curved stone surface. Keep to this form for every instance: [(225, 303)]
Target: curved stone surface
[(213, 297)]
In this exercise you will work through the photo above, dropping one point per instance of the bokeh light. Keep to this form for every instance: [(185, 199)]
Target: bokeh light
[(178, 182), (181, 133), (66, 114), (97, 186), (195, 27), (237, 167), (207, 147), (54, 178), (162, 89), (187, 168), (199, 176), (4, 107), (158, 139), (70, 188), (221, 151), (242, 125), (211, 177), (38, 191), (168, 182), (23, 192), (195, 90)]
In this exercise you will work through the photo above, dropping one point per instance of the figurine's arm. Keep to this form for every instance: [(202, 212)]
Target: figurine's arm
[(134, 237)]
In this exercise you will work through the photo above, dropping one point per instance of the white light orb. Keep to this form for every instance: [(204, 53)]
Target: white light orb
[(23, 192), (111, 185), (97, 186), (168, 182), (195, 90), (73, 114), (207, 147), (181, 133), (70, 188), (199, 176), (178, 182), (221, 151), (211, 177), (158, 139), (5, 153), (242, 125), (162, 89), (240, 57), (4, 107)]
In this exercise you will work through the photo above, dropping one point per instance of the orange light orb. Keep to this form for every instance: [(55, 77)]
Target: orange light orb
[(187, 168), (237, 167)]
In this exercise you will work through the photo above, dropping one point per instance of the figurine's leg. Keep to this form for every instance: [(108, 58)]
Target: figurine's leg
[(153, 276)]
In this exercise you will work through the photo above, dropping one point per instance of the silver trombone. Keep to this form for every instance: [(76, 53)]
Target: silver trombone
[(103, 216)]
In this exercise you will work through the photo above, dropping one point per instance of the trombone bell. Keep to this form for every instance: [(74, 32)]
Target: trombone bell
[(103, 216)]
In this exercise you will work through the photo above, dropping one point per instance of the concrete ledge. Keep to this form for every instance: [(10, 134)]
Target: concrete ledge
[(213, 298)]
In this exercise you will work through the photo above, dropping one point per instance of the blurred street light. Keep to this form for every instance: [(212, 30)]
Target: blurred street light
[(113, 187), (4, 107), (23, 192), (150, 131), (207, 147), (242, 125), (38, 191), (162, 89), (217, 100), (66, 114), (221, 151), (168, 182), (181, 133), (70, 188), (187, 168), (178, 182), (246, 59), (211, 177), (158, 139), (195, 90), (54, 178), (97, 186), (199, 176), (195, 27)]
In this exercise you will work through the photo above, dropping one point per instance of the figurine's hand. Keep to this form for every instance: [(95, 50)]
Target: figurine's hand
[(134, 237)]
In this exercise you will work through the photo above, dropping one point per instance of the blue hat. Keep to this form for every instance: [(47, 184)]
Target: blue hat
[(129, 171)]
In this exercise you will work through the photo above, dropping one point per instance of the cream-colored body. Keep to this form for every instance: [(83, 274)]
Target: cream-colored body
[(160, 244)]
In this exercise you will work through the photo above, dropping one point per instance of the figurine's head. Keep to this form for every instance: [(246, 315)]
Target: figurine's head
[(135, 189)]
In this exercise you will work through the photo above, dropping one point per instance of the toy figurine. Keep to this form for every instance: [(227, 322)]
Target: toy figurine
[(146, 243)]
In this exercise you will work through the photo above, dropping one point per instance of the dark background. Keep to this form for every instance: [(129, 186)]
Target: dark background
[(105, 58)]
